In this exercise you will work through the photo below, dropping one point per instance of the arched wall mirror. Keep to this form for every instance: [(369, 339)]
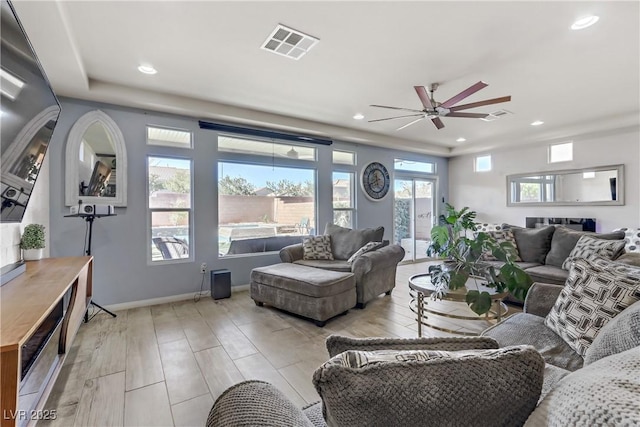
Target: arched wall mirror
[(96, 162)]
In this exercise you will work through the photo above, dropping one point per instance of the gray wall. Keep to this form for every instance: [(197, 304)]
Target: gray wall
[(121, 271)]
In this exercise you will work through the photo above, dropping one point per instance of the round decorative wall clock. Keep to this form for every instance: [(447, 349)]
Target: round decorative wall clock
[(376, 181)]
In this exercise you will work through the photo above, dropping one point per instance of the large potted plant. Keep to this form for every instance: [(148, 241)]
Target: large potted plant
[(32, 242), (456, 240)]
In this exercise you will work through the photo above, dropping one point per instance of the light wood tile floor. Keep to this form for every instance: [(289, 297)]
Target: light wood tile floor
[(165, 365)]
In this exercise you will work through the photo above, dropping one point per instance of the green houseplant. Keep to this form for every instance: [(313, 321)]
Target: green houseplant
[(32, 241), (455, 239)]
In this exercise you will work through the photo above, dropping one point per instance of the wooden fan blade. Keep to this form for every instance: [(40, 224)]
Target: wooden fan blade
[(410, 123), (469, 115), (462, 95), (424, 97), (481, 103), (397, 117), (396, 108), (438, 122)]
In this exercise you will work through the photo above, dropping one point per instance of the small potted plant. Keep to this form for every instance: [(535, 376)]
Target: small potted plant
[(32, 242), (456, 241)]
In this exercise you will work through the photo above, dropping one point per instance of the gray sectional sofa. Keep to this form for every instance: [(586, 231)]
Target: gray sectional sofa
[(374, 271)]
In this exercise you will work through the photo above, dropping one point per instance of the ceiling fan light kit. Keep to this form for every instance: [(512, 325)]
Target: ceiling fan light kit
[(435, 110)]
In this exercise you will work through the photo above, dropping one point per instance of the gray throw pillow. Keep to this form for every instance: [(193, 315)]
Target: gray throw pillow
[(595, 292), (345, 241), (592, 248), (431, 388), (565, 239), (620, 334), (317, 247), (533, 243)]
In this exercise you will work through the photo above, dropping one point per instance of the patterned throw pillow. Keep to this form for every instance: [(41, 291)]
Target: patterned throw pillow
[(595, 292), (631, 239), (501, 237), (317, 247), (368, 247), (486, 227), (591, 248)]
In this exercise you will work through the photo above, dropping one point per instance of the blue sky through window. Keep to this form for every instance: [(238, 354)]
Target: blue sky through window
[(258, 175)]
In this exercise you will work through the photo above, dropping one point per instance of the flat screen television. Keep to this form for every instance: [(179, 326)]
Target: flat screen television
[(29, 115)]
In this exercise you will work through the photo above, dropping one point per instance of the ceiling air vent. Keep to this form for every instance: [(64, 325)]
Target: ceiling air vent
[(288, 42), (496, 115)]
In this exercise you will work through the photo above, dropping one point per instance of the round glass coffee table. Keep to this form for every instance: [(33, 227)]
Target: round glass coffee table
[(421, 290)]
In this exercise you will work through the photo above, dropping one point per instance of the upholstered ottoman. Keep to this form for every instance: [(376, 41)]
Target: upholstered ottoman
[(310, 292)]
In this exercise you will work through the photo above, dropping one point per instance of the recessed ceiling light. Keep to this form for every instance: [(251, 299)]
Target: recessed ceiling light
[(585, 22), (147, 69), (358, 116), (460, 139), (537, 123)]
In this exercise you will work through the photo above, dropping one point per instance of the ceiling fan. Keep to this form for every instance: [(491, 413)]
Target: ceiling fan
[(434, 110)]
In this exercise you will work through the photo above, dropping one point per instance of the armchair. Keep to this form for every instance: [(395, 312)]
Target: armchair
[(374, 271)]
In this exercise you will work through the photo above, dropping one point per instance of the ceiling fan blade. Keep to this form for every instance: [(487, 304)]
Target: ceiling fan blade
[(438, 122), (410, 123), (424, 97), (468, 115), (481, 103), (462, 95), (397, 117), (396, 108)]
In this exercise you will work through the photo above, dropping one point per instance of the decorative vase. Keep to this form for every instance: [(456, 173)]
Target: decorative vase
[(32, 254)]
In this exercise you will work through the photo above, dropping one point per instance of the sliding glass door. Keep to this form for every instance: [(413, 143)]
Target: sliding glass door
[(413, 215)]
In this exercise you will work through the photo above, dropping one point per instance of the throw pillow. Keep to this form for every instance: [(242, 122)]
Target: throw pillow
[(533, 243), (502, 237), (486, 227), (595, 292), (631, 239), (620, 334), (317, 247), (368, 247), (565, 239), (591, 248), (345, 241), (408, 387)]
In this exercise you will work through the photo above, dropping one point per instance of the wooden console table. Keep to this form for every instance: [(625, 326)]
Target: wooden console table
[(25, 303)]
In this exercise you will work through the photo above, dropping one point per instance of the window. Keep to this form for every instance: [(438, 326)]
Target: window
[(273, 150), (169, 137), (343, 199), (344, 157), (533, 189), (414, 166), (483, 163), (561, 152), (263, 207), (169, 186)]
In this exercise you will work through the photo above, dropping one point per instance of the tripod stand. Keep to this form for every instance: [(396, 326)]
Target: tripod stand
[(89, 218)]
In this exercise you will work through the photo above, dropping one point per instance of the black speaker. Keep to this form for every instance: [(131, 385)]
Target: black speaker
[(220, 284)]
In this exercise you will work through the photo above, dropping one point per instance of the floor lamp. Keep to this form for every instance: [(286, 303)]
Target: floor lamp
[(89, 218)]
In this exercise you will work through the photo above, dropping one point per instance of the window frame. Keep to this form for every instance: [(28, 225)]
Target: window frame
[(352, 192), (189, 210)]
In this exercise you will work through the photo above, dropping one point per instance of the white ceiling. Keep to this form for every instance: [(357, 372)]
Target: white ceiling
[(210, 64)]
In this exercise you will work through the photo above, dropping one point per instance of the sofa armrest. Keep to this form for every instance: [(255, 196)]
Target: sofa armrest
[(541, 297), (291, 253), (337, 344), (374, 260), (255, 403)]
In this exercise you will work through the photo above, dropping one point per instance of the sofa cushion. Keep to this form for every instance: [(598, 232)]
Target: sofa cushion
[(590, 248), (595, 292), (548, 274), (533, 243), (317, 247), (565, 239), (299, 279), (631, 239), (502, 236), (525, 328), (345, 241), (604, 393), (367, 247), (333, 265), (631, 258), (398, 388), (620, 334)]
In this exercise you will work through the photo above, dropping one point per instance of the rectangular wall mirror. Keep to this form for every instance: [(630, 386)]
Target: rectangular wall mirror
[(601, 185)]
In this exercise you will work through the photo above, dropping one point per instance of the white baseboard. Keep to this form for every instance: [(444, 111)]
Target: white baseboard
[(164, 300)]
